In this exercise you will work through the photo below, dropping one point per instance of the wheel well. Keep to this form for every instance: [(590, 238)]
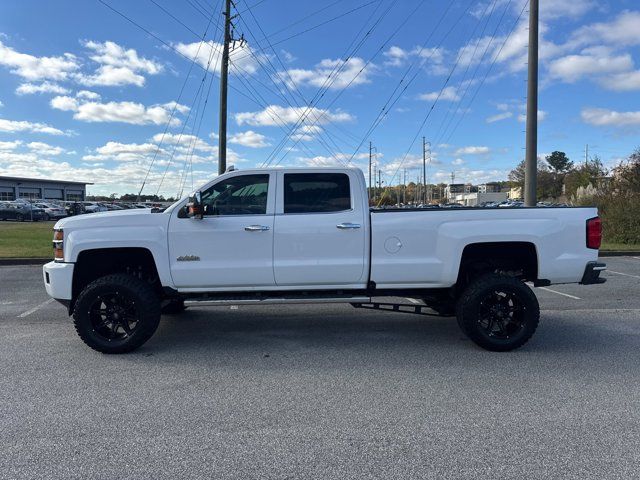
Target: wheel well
[(519, 259), (93, 264)]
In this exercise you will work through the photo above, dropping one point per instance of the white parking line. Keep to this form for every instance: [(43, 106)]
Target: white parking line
[(35, 309), (625, 274), (560, 293)]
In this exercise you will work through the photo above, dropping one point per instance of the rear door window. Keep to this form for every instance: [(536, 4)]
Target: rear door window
[(316, 192)]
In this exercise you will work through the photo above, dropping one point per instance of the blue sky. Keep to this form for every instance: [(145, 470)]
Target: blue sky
[(87, 95)]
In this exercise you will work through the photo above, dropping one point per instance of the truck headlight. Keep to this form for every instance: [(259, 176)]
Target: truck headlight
[(58, 245)]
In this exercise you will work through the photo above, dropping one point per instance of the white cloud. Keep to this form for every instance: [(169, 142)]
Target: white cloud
[(240, 57), (274, 115), (621, 82), (7, 146), (118, 66), (621, 31), (88, 95), (184, 142), (44, 87), (589, 63), (249, 139), (338, 160), (14, 126), (431, 58), (109, 76), (602, 117), (472, 150), (42, 148), (288, 56), (541, 116), (124, 112), (64, 103), (499, 116), (35, 68), (306, 133), (458, 161), (396, 56), (342, 74), (448, 93)]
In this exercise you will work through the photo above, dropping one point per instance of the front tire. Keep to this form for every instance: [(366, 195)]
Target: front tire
[(498, 312), (116, 313)]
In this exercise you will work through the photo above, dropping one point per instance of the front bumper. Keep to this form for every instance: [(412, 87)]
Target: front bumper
[(58, 279), (592, 273)]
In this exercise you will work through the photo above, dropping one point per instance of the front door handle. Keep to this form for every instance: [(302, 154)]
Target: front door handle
[(256, 228), (347, 225)]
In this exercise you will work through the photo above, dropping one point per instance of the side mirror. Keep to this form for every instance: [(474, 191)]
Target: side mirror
[(195, 209)]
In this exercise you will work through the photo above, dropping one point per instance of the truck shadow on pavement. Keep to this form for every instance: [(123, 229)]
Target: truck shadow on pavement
[(342, 332)]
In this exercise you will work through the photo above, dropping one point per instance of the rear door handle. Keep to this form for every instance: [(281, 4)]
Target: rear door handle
[(347, 225), (256, 228)]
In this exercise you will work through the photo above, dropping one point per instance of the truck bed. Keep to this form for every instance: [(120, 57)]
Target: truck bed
[(415, 247)]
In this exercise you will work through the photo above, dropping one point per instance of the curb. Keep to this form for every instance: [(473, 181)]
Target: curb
[(618, 253), (24, 261)]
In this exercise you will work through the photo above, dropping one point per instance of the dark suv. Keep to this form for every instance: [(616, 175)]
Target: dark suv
[(20, 211)]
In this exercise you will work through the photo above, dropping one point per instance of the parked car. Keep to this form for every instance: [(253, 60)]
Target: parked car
[(20, 211), (314, 239), (74, 208), (51, 210), (112, 206), (94, 207)]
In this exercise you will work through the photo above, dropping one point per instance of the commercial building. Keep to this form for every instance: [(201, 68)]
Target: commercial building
[(473, 199), (13, 188)]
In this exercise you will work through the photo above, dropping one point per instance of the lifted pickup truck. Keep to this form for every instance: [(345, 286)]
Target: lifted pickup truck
[(308, 236)]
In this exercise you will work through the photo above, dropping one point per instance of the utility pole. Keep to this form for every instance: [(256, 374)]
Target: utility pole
[(424, 170), (586, 154), (531, 157), (224, 75), (370, 156), (404, 186)]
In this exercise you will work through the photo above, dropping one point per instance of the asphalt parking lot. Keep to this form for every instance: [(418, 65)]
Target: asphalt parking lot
[(324, 392)]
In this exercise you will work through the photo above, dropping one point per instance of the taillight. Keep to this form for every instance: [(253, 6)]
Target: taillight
[(594, 232), (58, 245)]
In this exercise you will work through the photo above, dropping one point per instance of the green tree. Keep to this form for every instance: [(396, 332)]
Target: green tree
[(586, 174), (545, 185), (559, 162)]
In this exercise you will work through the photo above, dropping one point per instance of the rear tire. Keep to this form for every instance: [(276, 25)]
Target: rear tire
[(20, 217), (116, 313), (498, 312)]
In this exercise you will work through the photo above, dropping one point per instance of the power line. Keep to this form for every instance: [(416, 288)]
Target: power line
[(448, 117), (389, 104), (349, 53), (175, 106), (495, 58)]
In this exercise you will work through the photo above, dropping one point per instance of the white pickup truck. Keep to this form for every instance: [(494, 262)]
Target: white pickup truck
[(308, 236)]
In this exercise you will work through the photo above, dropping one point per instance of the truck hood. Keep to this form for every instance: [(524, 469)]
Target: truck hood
[(118, 218)]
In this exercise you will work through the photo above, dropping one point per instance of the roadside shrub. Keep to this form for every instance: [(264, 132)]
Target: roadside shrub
[(620, 216)]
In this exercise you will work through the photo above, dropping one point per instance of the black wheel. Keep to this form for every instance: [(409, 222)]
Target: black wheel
[(45, 217), (116, 313), (173, 307), (498, 312), (20, 217)]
